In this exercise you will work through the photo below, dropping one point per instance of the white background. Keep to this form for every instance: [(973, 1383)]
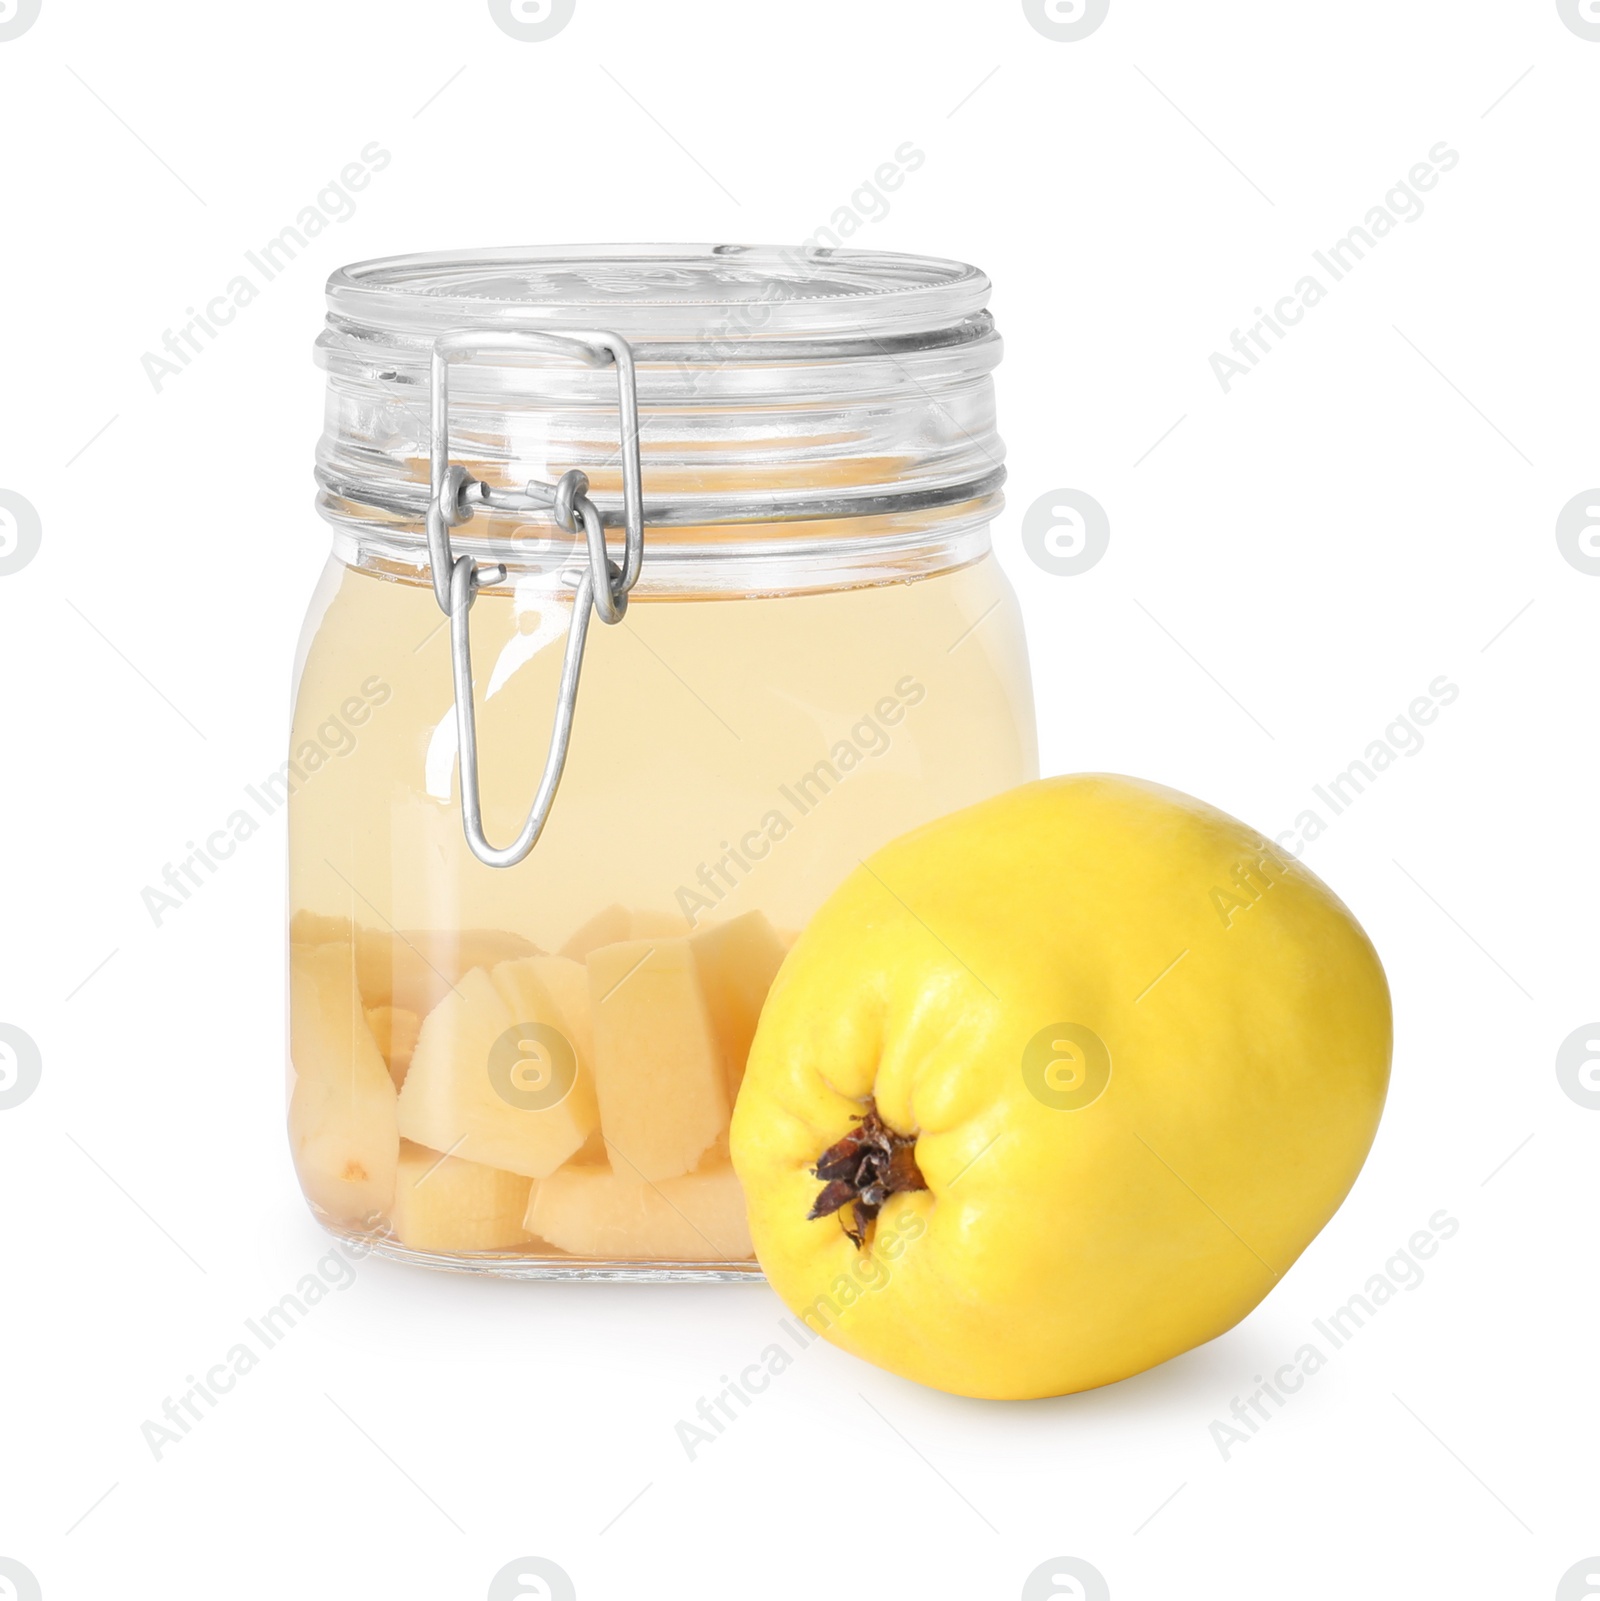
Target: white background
[(1375, 505)]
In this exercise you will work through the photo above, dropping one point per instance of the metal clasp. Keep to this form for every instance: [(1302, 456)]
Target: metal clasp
[(454, 496)]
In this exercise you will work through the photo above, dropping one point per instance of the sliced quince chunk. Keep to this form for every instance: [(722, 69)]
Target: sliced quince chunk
[(415, 969), (737, 962), (313, 928), (593, 1212), (555, 985), (657, 1066), (609, 926), (395, 1031), (614, 924), (492, 1086), (342, 1121), (442, 1203)]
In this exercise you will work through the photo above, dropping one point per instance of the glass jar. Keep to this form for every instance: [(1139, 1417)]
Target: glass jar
[(710, 661)]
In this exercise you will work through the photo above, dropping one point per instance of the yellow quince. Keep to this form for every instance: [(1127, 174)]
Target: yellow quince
[(1058, 1087)]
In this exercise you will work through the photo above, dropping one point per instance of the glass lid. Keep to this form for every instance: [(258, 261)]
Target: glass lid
[(796, 405), (663, 292)]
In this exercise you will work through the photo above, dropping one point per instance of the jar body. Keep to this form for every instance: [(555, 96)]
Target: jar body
[(530, 1070)]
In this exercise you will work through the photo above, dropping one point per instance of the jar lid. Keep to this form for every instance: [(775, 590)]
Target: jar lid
[(673, 293), (823, 415)]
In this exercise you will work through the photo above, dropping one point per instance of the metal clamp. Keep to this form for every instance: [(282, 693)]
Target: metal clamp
[(454, 496)]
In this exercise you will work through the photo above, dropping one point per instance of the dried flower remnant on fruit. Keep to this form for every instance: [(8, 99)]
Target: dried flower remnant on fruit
[(863, 1170)]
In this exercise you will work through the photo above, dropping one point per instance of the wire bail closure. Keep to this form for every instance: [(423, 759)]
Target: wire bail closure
[(455, 495)]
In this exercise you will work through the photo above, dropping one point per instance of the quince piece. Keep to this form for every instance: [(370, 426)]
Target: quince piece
[(395, 1031), (614, 924), (495, 1079), (313, 928), (416, 969), (442, 1203), (593, 1212), (737, 962), (342, 1126), (556, 984), (657, 1066), (609, 926)]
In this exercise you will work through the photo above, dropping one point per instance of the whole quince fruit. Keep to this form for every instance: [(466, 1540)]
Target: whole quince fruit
[(1058, 1087)]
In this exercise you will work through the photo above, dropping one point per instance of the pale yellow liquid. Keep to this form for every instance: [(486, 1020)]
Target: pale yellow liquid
[(700, 728)]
